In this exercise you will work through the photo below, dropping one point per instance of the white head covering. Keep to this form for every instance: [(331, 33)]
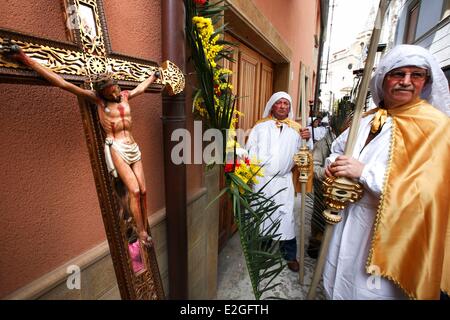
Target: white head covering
[(310, 122), (274, 98), (435, 91)]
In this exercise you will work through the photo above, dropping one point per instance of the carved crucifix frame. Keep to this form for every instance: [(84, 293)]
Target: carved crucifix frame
[(89, 54)]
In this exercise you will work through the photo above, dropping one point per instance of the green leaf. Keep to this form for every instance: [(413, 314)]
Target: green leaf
[(221, 193)]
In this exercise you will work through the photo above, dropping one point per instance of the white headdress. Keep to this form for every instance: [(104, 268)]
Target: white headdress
[(274, 98), (435, 91)]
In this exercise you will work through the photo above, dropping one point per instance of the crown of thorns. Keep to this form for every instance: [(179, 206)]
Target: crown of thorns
[(101, 80)]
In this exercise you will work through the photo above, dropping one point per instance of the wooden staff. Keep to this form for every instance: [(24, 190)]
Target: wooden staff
[(303, 159), (340, 192)]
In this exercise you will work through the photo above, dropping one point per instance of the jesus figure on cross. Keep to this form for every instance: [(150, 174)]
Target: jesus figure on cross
[(122, 154)]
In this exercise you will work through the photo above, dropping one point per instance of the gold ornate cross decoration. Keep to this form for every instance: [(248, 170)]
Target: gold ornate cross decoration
[(84, 20), (90, 54)]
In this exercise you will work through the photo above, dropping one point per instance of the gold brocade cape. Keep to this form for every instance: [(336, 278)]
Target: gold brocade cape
[(295, 171), (411, 239)]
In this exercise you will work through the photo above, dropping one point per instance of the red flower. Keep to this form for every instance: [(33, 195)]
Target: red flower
[(217, 90), (230, 168), (247, 161), (200, 1)]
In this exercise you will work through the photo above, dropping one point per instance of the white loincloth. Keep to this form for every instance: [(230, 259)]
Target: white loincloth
[(130, 153)]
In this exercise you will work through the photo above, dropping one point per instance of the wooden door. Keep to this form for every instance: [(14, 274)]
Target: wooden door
[(248, 86), (266, 89), (252, 82)]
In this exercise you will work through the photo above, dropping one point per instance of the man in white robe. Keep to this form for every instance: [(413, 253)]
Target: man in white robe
[(274, 140), (394, 242)]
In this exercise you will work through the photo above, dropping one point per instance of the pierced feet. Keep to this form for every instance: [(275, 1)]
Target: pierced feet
[(145, 239)]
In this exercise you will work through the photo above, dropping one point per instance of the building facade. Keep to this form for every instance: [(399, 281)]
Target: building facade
[(427, 24)]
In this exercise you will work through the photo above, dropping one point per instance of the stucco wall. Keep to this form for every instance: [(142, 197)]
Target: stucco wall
[(296, 23), (42, 18), (49, 205)]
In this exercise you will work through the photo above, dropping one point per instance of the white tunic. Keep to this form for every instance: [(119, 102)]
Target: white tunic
[(275, 149), (344, 275)]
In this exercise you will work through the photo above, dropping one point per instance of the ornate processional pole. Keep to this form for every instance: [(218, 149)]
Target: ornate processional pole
[(303, 159), (340, 192)]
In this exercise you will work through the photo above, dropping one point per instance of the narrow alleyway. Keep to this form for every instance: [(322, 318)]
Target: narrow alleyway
[(234, 282)]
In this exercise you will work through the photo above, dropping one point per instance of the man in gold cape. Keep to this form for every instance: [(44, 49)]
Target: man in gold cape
[(395, 242)]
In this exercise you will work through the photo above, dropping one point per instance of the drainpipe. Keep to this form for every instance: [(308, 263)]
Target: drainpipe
[(173, 117), (324, 5)]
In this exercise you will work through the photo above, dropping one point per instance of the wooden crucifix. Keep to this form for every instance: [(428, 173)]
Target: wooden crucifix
[(91, 62)]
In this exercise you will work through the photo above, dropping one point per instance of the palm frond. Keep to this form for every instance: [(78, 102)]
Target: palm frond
[(258, 239), (316, 205), (342, 115)]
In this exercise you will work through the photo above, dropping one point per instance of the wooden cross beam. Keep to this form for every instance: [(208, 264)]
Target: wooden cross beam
[(90, 54)]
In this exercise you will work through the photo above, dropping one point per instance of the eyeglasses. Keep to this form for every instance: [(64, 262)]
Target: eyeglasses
[(415, 75)]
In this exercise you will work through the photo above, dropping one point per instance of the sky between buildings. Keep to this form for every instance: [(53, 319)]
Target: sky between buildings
[(349, 18)]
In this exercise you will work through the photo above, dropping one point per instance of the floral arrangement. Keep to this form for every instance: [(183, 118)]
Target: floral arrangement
[(214, 103), (240, 165)]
